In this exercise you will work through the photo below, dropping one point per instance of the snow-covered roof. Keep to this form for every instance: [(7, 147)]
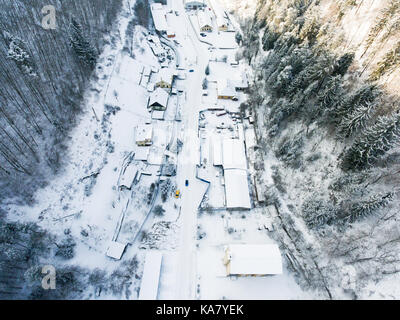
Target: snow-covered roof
[(165, 75), (237, 189), (257, 259), (221, 21), (151, 276), (156, 48), (225, 88), (250, 137), (158, 13), (240, 83), (144, 132), (158, 115), (233, 154), (159, 96), (217, 152), (142, 153), (204, 19), (232, 60), (128, 176), (115, 250)]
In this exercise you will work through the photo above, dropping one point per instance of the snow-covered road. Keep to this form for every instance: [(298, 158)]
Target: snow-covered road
[(187, 169)]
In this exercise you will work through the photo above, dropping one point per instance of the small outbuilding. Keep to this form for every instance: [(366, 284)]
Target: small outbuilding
[(128, 176), (115, 250), (170, 33)]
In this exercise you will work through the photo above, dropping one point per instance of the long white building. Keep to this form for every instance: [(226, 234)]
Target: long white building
[(158, 13)]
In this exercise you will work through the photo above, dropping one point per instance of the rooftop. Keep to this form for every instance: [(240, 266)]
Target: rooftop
[(225, 88), (115, 250), (237, 189), (151, 276), (144, 132), (158, 13), (159, 96), (258, 259), (233, 154)]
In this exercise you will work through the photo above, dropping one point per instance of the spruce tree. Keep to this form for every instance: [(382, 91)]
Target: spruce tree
[(364, 95), (367, 207), (343, 64), (373, 143), (82, 47), (330, 94), (207, 71), (355, 120)]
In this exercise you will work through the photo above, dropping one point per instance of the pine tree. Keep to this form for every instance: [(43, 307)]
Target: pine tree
[(318, 212), (17, 51), (330, 94), (207, 71), (364, 95), (373, 143), (82, 47), (238, 38), (269, 38), (343, 64), (355, 120), (205, 84), (367, 207)]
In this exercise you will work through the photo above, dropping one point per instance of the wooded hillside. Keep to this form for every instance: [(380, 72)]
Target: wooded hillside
[(43, 77)]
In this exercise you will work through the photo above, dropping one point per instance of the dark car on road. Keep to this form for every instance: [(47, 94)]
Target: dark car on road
[(186, 183)]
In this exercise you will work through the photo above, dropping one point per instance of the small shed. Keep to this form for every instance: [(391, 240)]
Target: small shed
[(128, 176), (170, 33), (115, 250)]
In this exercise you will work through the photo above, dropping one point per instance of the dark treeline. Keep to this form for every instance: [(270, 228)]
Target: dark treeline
[(43, 74)]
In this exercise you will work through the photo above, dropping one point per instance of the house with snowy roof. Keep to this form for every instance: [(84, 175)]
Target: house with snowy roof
[(252, 260), (158, 100)]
